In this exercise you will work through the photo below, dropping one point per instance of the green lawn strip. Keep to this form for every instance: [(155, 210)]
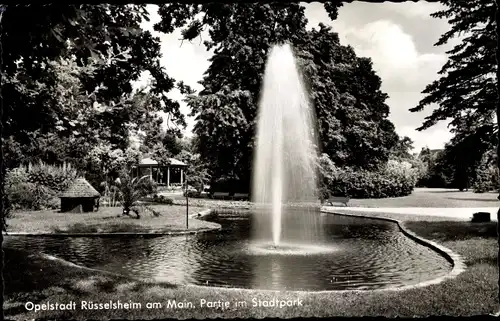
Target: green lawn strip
[(473, 292), (172, 219), (432, 198)]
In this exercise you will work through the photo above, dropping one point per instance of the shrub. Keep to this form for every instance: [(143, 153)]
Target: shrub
[(486, 179), (57, 178), (494, 177), (30, 196), (163, 200), (22, 194), (148, 186), (394, 180), (131, 190)]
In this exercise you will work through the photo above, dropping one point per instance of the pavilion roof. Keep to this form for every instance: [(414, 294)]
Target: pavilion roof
[(151, 162)]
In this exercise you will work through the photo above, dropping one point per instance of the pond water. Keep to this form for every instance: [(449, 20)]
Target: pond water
[(357, 254)]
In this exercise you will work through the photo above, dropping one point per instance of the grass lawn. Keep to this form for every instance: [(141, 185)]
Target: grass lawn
[(433, 197), (474, 292), (421, 197), (106, 220)]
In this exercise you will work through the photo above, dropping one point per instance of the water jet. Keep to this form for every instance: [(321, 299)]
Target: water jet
[(284, 171)]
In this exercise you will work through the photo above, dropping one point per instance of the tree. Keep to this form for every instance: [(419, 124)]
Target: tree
[(197, 174), (131, 190), (352, 114), (466, 92), (36, 38), (105, 36), (161, 145), (403, 148), (350, 107)]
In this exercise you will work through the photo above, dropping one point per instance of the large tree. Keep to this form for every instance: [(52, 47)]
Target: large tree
[(35, 36), (353, 125), (467, 91), (107, 50), (351, 112)]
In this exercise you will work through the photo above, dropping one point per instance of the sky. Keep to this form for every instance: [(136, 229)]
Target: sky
[(399, 37)]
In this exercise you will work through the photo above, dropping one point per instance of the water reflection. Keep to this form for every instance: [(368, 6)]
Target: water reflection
[(362, 254)]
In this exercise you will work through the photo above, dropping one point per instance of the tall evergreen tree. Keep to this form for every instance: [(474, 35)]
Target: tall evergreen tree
[(467, 91)]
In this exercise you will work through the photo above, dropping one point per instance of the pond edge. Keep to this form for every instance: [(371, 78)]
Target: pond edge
[(199, 215), (458, 266)]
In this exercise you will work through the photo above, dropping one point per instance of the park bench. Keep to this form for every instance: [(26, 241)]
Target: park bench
[(338, 199), (240, 196), (191, 193), (220, 195)]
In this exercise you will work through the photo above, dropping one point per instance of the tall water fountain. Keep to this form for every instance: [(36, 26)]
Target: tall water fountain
[(284, 171)]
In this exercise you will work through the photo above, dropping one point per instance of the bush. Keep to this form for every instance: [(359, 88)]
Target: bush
[(394, 180), (29, 196), (57, 178), (35, 187), (148, 186), (163, 200), (486, 179)]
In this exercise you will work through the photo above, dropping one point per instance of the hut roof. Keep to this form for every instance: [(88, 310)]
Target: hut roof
[(151, 162), (80, 188)]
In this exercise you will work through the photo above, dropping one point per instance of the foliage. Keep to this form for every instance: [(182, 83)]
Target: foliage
[(396, 179), (131, 190), (197, 170), (466, 92), (108, 47), (57, 178), (26, 195), (486, 175), (402, 149), (163, 200), (352, 115), (70, 68), (327, 171), (103, 164), (36, 187), (353, 127)]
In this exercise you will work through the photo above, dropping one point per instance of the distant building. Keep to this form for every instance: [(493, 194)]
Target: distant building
[(173, 173)]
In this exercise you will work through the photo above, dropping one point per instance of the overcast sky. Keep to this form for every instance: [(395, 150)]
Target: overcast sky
[(399, 37)]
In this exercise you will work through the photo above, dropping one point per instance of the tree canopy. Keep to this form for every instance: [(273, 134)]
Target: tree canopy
[(66, 78), (466, 91), (345, 91), (60, 60)]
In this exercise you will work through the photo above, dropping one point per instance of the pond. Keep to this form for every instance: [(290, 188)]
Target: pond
[(363, 254)]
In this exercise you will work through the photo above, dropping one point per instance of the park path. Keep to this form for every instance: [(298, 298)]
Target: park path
[(453, 212)]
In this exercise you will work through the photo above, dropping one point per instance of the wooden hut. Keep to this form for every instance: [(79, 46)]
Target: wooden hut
[(79, 197)]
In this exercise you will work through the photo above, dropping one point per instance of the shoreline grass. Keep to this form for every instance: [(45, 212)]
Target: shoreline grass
[(172, 219), (473, 292), (173, 216)]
